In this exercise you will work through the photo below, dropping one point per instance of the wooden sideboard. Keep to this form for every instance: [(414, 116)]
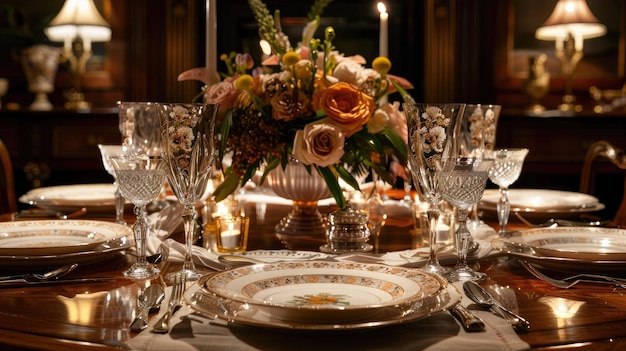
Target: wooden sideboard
[(58, 147), (558, 144)]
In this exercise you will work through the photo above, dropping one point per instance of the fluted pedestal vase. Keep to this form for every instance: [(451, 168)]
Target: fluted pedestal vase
[(304, 227), (40, 64)]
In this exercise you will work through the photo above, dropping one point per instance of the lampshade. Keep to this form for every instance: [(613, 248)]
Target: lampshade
[(571, 17), (79, 18)]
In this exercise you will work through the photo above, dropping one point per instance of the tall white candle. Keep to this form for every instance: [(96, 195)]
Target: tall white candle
[(211, 37), (384, 30)]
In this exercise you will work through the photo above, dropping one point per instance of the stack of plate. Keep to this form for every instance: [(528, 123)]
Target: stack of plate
[(96, 198), (569, 249), (319, 295), (541, 203), (46, 243)]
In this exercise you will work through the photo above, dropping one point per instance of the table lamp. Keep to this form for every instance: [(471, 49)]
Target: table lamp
[(569, 24), (77, 25)]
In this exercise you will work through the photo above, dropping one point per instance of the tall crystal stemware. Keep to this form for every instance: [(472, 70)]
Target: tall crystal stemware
[(433, 137), (140, 178), (107, 151), (462, 182), (478, 133), (187, 131), (506, 168)]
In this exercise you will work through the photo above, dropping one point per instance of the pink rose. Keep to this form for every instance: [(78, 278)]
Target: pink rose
[(397, 119), (319, 143)]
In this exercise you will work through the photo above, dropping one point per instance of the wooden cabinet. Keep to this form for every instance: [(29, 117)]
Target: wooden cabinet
[(558, 144), (58, 147)]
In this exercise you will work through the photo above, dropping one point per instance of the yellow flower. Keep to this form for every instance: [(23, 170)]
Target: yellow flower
[(349, 108), (243, 82), (291, 58), (381, 64)]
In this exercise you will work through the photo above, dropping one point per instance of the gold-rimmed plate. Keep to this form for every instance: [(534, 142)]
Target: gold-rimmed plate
[(582, 243), (115, 238), (322, 291), (247, 314), (542, 203), (96, 198)]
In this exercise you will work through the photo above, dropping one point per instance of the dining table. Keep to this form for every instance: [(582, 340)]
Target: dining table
[(97, 315)]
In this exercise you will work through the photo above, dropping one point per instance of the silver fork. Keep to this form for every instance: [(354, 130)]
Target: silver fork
[(162, 326), (568, 282)]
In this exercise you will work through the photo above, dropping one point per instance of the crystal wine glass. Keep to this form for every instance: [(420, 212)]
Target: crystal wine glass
[(506, 168), (433, 137), (462, 182), (187, 131), (140, 178), (478, 133), (107, 151)]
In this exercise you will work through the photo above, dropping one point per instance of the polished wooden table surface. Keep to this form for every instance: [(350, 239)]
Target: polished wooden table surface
[(96, 316)]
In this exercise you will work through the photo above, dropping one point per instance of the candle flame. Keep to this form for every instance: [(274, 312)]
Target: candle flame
[(381, 8)]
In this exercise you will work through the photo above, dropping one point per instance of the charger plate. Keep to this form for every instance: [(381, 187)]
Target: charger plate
[(323, 291), (251, 314), (117, 238), (55, 237), (583, 243), (561, 264)]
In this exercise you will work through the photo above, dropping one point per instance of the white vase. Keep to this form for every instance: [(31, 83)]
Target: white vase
[(40, 63), (304, 227)]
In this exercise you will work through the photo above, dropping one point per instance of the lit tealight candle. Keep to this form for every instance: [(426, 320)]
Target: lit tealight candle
[(230, 237)]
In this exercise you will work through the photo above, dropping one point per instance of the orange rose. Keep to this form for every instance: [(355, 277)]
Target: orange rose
[(349, 108)]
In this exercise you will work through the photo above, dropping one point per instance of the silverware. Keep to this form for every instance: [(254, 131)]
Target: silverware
[(568, 282), (149, 299), (38, 214), (479, 295), (53, 274), (13, 283), (469, 321), (162, 326)]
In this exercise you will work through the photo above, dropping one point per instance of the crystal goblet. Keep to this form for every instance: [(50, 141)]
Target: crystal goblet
[(140, 179), (433, 131), (506, 168), (462, 182), (478, 133), (107, 151), (187, 136)]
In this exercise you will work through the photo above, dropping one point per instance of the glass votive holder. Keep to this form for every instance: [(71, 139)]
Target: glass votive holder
[(231, 233)]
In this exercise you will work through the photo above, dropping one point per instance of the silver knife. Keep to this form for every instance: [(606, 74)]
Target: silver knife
[(23, 282)]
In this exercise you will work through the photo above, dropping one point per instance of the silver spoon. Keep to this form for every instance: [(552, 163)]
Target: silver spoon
[(54, 274), (149, 299), (479, 295)]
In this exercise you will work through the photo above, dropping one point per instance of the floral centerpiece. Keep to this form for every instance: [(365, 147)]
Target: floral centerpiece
[(317, 106)]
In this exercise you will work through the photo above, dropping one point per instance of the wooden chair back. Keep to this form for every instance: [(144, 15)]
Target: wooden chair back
[(616, 155), (8, 200)]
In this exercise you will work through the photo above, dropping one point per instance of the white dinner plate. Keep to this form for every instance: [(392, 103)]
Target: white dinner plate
[(534, 203), (55, 237), (583, 243), (242, 313), (118, 237), (323, 291), (97, 198)]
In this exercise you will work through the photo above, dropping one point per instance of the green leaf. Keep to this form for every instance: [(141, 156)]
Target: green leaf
[(228, 186), (398, 144), (333, 186)]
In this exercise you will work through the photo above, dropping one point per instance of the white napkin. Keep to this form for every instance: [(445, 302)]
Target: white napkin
[(439, 332)]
